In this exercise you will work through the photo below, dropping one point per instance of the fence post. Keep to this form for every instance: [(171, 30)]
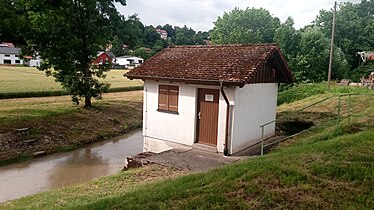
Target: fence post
[(349, 109), (339, 104), (262, 140)]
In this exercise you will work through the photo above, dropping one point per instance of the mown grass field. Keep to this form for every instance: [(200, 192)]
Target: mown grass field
[(13, 111), (323, 168), (30, 79)]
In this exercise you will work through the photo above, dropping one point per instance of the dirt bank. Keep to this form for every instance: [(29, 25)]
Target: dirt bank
[(64, 132)]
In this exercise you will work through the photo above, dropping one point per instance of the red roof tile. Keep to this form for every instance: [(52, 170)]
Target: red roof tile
[(231, 64)]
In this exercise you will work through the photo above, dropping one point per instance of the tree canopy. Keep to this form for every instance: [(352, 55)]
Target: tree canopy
[(354, 28), (245, 26), (68, 35)]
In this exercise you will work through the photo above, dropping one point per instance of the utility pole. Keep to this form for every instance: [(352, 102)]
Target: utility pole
[(332, 46)]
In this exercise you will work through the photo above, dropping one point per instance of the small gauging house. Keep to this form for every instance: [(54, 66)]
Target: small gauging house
[(216, 95)]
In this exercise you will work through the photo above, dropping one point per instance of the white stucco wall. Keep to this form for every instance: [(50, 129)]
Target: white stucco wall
[(160, 128), (11, 57), (123, 61), (250, 107), (179, 128), (255, 104)]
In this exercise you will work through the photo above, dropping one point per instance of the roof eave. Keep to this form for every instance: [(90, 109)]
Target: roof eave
[(189, 80)]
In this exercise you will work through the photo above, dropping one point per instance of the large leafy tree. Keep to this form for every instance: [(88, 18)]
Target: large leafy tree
[(354, 28), (311, 62), (288, 38), (12, 22), (184, 36), (245, 26), (68, 35)]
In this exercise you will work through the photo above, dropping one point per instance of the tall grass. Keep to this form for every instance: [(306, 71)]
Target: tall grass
[(301, 91)]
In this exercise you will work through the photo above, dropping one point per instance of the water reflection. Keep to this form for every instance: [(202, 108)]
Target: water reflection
[(58, 170)]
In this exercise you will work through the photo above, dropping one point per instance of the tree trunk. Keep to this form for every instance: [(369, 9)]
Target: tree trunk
[(87, 101)]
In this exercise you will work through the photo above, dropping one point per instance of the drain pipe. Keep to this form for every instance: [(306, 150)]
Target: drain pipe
[(226, 149)]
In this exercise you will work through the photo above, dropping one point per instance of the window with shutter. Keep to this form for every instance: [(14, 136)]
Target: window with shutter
[(168, 98)]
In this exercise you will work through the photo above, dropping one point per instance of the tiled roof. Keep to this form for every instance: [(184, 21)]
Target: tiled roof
[(235, 64), (6, 44), (9, 50)]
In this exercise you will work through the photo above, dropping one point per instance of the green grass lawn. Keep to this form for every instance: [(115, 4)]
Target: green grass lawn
[(29, 79), (39, 108), (324, 168)]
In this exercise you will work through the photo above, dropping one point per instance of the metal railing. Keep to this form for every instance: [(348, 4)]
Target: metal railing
[(339, 117), (263, 135)]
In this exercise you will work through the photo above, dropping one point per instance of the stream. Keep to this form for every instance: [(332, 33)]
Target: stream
[(63, 169)]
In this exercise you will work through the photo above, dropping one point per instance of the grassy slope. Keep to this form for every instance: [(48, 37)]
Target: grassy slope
[(302, 91), (25, 79), (321, 168)]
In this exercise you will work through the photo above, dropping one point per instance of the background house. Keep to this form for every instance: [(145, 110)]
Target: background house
[(163, 34), (10, 54), (213, 95), (128, 62), (104, 57), (32, 61)]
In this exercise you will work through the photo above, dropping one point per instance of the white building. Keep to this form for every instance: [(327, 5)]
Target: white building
[(213, 95), (163, 34), (32, 61), (10, 54), (128, 61)]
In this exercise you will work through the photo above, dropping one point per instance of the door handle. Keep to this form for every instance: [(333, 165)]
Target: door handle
[(199, 115)]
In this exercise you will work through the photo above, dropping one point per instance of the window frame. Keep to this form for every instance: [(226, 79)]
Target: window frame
[(168, 98)]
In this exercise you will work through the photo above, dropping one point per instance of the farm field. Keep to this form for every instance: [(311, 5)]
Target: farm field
[(30, 79)]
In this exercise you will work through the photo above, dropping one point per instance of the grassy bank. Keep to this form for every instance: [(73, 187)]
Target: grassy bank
[(56, 124), (22, 82), (324, 168), (301, 91)]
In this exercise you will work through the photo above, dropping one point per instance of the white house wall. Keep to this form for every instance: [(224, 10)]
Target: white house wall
[(162, 129), (178, 128), (12, 58), (255, 105)]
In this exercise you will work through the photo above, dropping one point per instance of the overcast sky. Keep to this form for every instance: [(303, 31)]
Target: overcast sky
[(200, 14)]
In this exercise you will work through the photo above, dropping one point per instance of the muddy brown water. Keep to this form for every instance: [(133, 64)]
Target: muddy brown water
[(64, 169)]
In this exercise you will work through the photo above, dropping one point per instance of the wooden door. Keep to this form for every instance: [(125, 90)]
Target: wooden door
[(207, 116)]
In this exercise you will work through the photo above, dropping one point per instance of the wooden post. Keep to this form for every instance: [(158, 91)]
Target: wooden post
[(262, 140), (339, 108), (331, 46), (349, 109)]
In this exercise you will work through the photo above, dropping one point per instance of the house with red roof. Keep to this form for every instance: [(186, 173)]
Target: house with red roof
[(218, 95), (163, 34), (10, 55), (104, 57)]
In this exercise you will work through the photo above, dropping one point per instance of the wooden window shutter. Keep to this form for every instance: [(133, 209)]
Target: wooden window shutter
[(163, 99), (173, 98)]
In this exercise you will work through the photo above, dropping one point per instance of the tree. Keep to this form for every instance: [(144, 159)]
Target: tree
[(354, 28), (184, 36), (143, 53), (117, 48), (150, 36), (68, 36), (288, 38), (130, 31), (12, 21), (311, 63), (245, 26)]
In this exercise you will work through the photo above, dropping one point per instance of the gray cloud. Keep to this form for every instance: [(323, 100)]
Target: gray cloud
[(200, 14)]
